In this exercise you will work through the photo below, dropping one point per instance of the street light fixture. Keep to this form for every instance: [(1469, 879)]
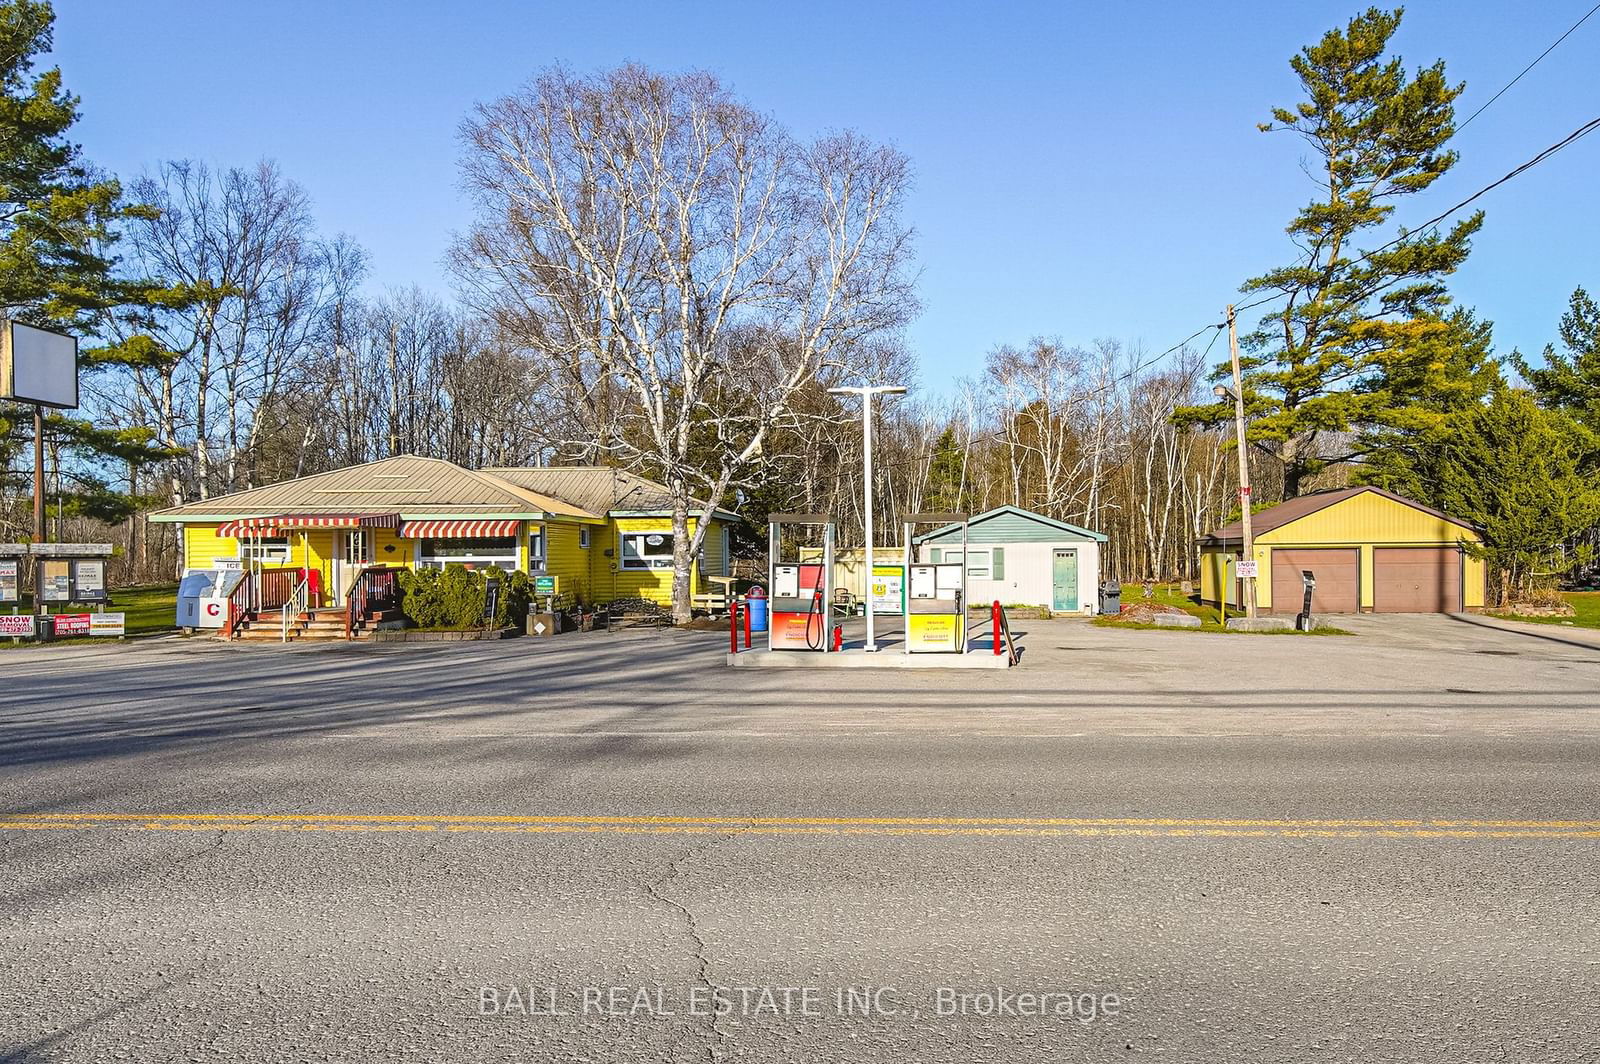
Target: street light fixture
[(866, 392)]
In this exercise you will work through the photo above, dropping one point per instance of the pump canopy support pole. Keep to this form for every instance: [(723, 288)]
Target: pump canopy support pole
[(866, 393)]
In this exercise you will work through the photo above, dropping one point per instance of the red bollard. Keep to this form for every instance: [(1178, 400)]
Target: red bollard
[(744, 608), (733, 629), (994, 619), (838, 638)]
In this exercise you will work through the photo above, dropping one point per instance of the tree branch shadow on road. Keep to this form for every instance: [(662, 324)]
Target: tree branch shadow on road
[(1466, 618), (43, 1049)]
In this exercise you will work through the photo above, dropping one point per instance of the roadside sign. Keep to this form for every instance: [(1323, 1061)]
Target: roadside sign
[(56, 580), (89, 580), (16, 625), (108, 624), (70, 624), (544, 585), (8, 579), (1248, 568)]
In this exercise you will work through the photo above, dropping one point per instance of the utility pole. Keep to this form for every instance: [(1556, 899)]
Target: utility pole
[(866, 393), (38, 473), (1248, 544)]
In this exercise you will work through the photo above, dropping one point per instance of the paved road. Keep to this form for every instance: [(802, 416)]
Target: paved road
[(1380, 847)]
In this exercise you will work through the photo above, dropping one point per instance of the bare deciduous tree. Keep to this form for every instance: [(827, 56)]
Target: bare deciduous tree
[(684, 266)]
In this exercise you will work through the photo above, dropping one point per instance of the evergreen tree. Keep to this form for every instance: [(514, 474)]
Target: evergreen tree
[(56, 225), (1517, 471), (946, 469), (1571, 381), (1332, 358), (1442, 376)]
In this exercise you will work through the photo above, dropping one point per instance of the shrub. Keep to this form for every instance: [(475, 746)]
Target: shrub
[(454, 597)]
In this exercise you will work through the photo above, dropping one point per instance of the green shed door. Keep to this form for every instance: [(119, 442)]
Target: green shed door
[(1064, 581)]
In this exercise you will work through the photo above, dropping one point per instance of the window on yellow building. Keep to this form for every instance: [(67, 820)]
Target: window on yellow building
[(647, 550)]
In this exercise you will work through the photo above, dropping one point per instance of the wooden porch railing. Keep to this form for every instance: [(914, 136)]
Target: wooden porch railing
[(276, 588), (374, 588), (239, 604)]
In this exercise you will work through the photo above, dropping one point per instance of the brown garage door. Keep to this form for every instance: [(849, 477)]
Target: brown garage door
[(1416, 580), (1338, 572)]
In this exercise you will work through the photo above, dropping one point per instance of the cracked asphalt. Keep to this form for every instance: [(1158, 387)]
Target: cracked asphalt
[(611, 847)]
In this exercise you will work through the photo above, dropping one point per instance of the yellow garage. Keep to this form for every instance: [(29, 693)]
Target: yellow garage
[(1369, 550)]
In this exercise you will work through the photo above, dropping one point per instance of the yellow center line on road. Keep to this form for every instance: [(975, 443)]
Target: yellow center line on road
[(1024, 827)]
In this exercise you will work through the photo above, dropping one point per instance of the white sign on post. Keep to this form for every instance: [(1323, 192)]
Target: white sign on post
[(108, 624), (1247, 569), (16, 625)]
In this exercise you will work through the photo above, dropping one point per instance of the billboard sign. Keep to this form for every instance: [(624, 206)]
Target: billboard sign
[(38, 365), (16, 625)]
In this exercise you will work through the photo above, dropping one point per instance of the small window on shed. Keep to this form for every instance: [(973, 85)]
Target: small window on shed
[(978, 564)]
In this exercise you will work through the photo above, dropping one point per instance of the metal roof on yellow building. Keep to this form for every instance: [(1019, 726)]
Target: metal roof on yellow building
[(409, 485)]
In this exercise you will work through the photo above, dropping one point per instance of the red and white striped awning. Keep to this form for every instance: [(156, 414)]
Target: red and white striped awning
[(457, 529), (271, 526)]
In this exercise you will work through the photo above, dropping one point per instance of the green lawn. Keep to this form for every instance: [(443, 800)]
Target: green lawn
[(150, 610), (1172, 595), (1585, 611)]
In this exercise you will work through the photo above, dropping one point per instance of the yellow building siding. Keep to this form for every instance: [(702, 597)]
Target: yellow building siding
[(1364, 522), (566, 560), (585, 573)]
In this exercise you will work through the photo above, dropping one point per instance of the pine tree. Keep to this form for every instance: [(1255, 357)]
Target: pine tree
[(1331, 357), (1571, 381), (57, 219), (1517, 471)]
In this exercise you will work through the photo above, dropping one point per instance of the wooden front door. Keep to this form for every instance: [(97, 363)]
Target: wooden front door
[(354, 551)]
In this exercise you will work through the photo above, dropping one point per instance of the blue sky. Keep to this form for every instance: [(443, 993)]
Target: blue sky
[(1083, 170)]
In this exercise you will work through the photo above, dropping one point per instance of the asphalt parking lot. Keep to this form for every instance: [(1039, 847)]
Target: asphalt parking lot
[(1374, 847)]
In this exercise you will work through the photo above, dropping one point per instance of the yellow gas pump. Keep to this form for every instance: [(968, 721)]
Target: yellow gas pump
[(936, 599)]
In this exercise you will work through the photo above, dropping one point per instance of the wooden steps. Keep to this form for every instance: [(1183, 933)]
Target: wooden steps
[(312, 626)]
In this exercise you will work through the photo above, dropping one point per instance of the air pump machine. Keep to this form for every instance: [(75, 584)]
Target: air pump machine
[(936, 592), (801, 586)]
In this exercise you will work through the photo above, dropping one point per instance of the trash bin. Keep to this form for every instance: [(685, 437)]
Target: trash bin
[(755, 600), (1110, 598)]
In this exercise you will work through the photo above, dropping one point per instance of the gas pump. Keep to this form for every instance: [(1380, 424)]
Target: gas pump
[(936, 600), (801, 589)]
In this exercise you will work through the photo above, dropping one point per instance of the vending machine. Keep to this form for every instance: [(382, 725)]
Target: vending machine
[(936, 590), (801, 584)]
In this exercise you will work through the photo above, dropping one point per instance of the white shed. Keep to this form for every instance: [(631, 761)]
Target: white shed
[(1021, 558)]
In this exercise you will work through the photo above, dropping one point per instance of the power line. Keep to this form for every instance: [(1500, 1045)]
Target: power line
[(1527, 68), (1577, 134)]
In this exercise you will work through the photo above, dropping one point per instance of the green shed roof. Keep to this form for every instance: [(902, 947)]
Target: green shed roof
[(1012, 524)]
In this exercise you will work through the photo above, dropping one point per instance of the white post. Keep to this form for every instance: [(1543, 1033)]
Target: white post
[(866, 438), (866, 392)]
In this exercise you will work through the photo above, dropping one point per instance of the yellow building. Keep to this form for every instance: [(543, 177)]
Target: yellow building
[(1370, 551), (603, 534)]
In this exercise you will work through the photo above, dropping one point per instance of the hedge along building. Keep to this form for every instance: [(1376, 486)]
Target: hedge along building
[(1370, 550), (1021, 558), (415, 512)]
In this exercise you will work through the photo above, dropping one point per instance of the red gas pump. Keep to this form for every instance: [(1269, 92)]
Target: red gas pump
[(800, 590), (799, 612)]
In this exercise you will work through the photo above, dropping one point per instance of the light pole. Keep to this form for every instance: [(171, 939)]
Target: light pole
[(1247, 541), (866, 392)]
